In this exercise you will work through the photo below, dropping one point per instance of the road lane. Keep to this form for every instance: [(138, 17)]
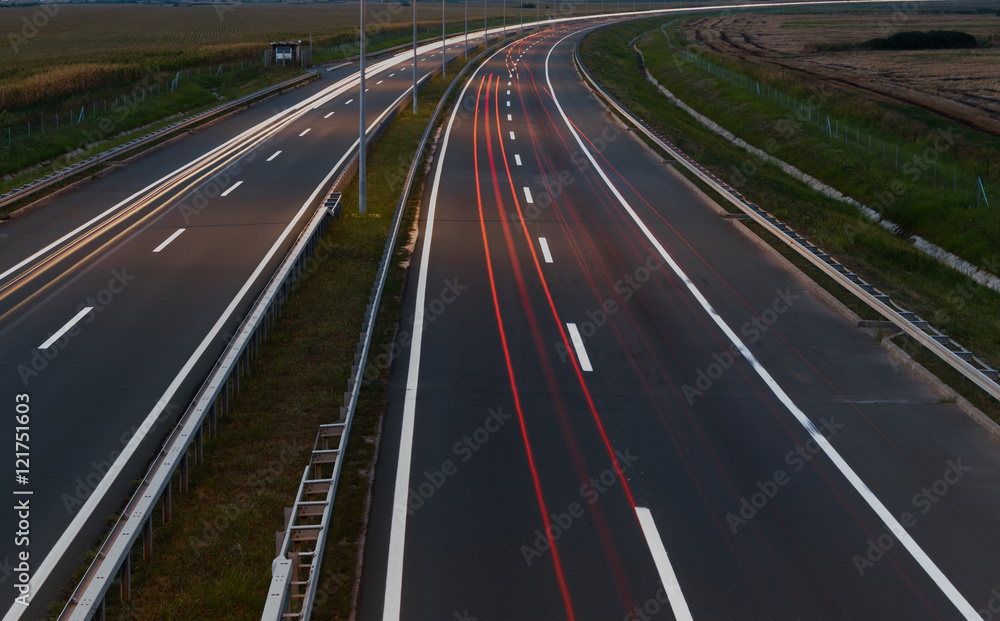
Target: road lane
[(153, 314), (538, 519)]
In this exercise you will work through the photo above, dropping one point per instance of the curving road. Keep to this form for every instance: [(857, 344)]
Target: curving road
[(611, 403), (118, 296)]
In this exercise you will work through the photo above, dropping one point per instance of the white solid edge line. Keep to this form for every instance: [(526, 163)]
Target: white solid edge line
[(68, 535), (277, 153), (328, 115), (66, 328), (581, 351), (397, 532), (83, 515), (174, 236), (96, 219), (306, 131), (517, 159), (667, 576), (527, 195), (544, 243), (928, 565), (233, 187)]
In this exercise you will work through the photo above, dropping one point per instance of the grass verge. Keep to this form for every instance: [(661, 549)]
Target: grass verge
[(31, 158), (918, 169), (948, 299), (213, 560)]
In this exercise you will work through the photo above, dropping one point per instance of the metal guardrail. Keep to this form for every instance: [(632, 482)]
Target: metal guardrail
[(114, 558), (80, 167), (950, 351), (296, 569)]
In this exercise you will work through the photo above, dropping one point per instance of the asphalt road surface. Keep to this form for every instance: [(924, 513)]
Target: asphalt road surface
[(118, 296), (612, 404)]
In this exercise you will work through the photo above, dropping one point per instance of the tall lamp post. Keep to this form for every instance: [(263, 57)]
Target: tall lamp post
[(362, 141), (442, 38), (414, 56)]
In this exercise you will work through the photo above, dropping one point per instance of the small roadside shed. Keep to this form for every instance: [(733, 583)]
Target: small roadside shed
[(286, 52)]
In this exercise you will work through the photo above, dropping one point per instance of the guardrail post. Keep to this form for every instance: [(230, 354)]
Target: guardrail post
[(184, 474), (167, 503), (125, 573), (147, 540)]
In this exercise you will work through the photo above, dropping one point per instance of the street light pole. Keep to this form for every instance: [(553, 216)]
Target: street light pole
[(466, 29), (442, 38), (414, 57), (362, 141)]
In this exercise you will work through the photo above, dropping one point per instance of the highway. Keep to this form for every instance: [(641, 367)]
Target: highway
[(611, 403), (117, 297)]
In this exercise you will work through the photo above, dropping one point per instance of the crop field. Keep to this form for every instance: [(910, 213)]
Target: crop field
[(960, 84), (53, 50), (932, 175)]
